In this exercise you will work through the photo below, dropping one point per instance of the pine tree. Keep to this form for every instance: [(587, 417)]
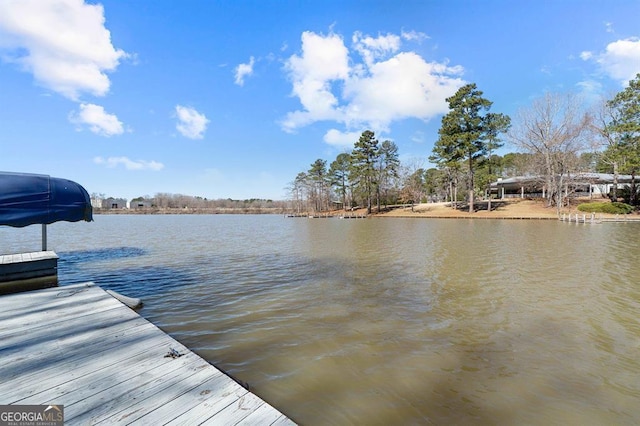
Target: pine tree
[(339, 173), (363, 160), (465, 131), (627, 125)]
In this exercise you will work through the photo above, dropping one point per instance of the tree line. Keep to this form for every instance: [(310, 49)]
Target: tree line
[(368, 174), (169, 201), (555, 139)]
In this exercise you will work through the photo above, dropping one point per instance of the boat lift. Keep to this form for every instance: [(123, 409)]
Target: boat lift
[(31, 199)]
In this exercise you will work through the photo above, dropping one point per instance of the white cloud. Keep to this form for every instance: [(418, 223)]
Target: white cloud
[(590, 90), (244, 70), (620, 60), (386, 86), (128, 164), (545, 69), (414, 35), (609, 27), (99, 121), (191, 124), (586, 55), (63, 43), (401, 87), (341, 139), (418, 137), (323, 60), (374, 48)]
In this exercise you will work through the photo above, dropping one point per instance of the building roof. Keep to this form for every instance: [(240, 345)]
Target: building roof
[(585, 178)]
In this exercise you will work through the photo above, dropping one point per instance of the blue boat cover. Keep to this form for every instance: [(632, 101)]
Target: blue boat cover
[(28, 199)]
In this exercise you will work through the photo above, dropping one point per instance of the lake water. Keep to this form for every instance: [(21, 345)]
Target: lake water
[(385, 320)]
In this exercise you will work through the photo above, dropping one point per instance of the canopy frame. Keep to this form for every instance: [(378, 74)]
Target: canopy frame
[(30, 199)]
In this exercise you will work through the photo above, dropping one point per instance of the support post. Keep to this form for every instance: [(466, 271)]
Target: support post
[(44, 237)]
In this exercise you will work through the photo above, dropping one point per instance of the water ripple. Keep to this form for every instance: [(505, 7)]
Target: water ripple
[(388, 321)]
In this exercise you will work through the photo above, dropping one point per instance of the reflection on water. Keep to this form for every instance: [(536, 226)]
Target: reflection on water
[(386, 321), (101, 254)]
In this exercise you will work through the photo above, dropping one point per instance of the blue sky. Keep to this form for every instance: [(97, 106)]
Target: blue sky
[(231, 99)]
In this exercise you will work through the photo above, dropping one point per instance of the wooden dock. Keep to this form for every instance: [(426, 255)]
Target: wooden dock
[(79, 347), (592, 218), (28, 271)]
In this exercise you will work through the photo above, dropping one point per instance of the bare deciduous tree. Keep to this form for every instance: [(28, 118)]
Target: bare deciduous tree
[(553, 129), (412, 176)]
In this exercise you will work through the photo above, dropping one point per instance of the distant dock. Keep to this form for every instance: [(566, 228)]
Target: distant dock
[(79, 347), (592, 218), (580, 218), (329, 216)]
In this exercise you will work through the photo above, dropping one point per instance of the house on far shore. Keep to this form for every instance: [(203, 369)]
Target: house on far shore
[(579, 185), (96, 202), (139, 204), (114, 203)]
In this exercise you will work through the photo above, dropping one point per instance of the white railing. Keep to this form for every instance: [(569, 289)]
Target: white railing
[(580, 218)]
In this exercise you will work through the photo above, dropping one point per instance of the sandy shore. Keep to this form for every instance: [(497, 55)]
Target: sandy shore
[(500, 209)]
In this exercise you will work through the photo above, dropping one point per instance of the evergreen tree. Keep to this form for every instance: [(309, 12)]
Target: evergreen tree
[(626, 124), (363, 161), (465, 131), (318, 177), (298, 190), (388, 166), (435, 183), (609, 160), (494, 125), (339, 174)]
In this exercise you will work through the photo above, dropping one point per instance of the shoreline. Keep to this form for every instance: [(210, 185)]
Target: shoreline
[(511, 209), (518, 209)]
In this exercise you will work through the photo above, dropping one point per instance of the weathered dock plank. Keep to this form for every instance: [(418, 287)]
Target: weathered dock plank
[(28, 271), (80, 347), (32, 320), (63, 368), (81, 339), (262, 415), (190, 392), (16, 304), (118, 400)]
